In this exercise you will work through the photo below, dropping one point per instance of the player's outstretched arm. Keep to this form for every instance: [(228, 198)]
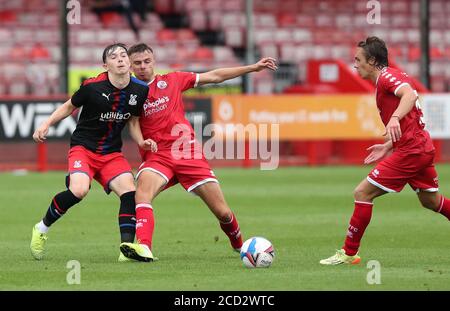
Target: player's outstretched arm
[(136, 134), (223, 74), (60, 113)]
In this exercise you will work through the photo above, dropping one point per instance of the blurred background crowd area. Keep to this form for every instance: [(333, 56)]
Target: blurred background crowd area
[(199, 35)]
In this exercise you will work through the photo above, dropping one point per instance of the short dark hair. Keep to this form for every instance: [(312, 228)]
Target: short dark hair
[(110, 48), (375, 48), (139, 48)]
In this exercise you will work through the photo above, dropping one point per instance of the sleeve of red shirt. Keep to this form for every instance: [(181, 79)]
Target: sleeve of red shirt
[(391, 82), (186, 80)]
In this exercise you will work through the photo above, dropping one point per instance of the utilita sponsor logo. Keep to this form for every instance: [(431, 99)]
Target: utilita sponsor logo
[(114, 116), (156, 106)]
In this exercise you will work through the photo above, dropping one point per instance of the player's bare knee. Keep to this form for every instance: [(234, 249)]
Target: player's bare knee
[(79, 191), (429, 204), (127, 187), (360, 195), (143, 196), (145, 192), (429, 200), (224, 216)]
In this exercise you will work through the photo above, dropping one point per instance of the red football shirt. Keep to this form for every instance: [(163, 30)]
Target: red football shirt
[(163, 117), (415, 139)]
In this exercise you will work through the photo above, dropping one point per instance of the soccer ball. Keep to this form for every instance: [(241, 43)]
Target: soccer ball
[(257, 252)]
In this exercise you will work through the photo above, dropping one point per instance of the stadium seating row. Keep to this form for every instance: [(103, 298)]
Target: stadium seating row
[(390, 7), (290, 30)]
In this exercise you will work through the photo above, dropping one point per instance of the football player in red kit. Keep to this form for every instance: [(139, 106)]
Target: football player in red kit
[(407, 156), (163, 120)]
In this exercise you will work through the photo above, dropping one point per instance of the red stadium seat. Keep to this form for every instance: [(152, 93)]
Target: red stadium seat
[(163, 6), (413, 53), (166, 35), (8, 17), (40, 53), (109, 19), (204, 53), (436, 53), (287, 19), (186, 35)]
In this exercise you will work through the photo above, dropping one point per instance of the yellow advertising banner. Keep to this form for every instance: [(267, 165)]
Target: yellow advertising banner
[(301, 116)]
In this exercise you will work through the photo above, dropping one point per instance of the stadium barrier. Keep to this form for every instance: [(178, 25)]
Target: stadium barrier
[(310, 130)]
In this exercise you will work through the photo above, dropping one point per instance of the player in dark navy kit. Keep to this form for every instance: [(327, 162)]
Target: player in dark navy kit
[(108, 103)]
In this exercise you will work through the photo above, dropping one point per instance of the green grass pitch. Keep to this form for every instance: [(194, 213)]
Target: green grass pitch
[(303, 211)]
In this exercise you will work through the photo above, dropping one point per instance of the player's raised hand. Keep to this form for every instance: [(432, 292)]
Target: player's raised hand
[(149, 144), (393, 129), (40, 133), (377, 152), (267, 62)]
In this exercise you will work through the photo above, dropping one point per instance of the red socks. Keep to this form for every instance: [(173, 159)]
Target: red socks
[(444, 207), (361, 218), (233, 232), (358, 224), (145, 223)]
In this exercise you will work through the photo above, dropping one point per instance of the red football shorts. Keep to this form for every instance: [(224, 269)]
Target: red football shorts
[(189, 172), (102, 168), (399, 169)]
